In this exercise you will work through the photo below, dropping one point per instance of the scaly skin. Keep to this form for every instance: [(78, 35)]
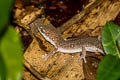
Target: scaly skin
[(82, 44)]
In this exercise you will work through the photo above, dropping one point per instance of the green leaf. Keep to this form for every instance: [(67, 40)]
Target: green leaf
[(109, 68), (5, 6), (11, 51), (110, 35), (2, 69)]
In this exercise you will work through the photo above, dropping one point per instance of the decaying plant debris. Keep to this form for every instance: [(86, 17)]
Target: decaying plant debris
[(64, 66)]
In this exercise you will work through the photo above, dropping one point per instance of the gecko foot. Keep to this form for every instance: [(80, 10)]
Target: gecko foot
[(82, 57), (50, 54)]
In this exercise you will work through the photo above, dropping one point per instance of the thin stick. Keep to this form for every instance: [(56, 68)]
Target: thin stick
[(33, 70), (79, 16)]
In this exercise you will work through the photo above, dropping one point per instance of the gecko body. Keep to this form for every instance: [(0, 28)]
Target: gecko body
[(82, 44)]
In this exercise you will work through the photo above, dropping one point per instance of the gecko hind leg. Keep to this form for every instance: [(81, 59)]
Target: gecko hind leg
[(83, 55), (50, 54)]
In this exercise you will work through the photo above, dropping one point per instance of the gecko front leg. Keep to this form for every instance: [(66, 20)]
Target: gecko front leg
[(46, 56), (83, 55)]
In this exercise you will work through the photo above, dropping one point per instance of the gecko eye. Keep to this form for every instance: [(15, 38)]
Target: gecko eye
[(43, 30)]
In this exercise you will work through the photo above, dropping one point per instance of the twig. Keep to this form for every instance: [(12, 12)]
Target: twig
[(33, 71), (79, 16)]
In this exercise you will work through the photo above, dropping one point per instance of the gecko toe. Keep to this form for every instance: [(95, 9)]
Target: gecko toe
[(82, 57)]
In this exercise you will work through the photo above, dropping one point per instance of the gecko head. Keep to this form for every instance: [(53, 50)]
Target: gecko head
[(48, 32), (43, 30)]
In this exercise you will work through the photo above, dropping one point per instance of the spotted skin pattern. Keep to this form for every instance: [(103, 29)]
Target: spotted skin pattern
[(81, 44)]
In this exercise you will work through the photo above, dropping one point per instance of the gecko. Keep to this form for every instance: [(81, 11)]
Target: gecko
[(75, 45)]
